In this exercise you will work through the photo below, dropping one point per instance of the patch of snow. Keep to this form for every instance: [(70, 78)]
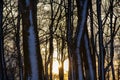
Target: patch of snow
[(32, 50)]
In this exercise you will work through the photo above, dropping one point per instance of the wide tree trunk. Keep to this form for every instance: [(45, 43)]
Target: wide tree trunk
[(82, 18), (32, 58)]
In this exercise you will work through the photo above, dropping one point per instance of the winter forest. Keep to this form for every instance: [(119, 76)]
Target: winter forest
[(59, 39)]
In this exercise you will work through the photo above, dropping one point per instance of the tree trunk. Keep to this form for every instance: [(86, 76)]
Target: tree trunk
[(3, 74), (69, 41), (93, 48), (46, 62), (118, 71), (51, 39), (61, 71), (82, 17), (18, 44), (101, 47), (88, 54), (31, 47), (112, 38)]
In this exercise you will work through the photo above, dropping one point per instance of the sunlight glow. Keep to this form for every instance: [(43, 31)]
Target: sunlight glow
[(56, 66), (66, 65)]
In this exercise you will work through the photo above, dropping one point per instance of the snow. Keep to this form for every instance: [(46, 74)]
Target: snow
[(32, 50)]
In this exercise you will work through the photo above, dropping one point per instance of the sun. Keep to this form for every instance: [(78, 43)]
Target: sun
[(56, 65)]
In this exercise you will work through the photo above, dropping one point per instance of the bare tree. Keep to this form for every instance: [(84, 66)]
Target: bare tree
[(68, 9), (32, 57), (101, 47), (3, 74), (18, 43)]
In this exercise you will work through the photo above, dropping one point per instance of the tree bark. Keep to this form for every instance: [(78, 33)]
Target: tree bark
[(112, 38), (33, 66), (61, 71), (3, 74), (51, 39), (93, 48), (82, 18), (101, 47), (18, 44), (69, 41)]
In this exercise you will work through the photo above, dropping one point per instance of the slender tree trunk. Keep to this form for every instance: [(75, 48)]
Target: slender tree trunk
[(112, 38), (61, 68), (92, 40), (101, 48), (118, 71), (31, 47), (51, 70), (18, 44), (3, 74), (88, 54), (82, 17), (51, 39), (61, 71), (46, 62), (69, 41)]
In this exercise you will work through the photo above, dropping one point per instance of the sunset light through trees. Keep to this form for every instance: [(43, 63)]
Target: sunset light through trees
[(59, 39)]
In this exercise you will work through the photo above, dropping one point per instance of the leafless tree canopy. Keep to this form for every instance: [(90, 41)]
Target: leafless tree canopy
[(34, 34)]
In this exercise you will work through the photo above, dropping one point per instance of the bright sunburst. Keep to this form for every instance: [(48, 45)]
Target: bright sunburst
[(56, 65)]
